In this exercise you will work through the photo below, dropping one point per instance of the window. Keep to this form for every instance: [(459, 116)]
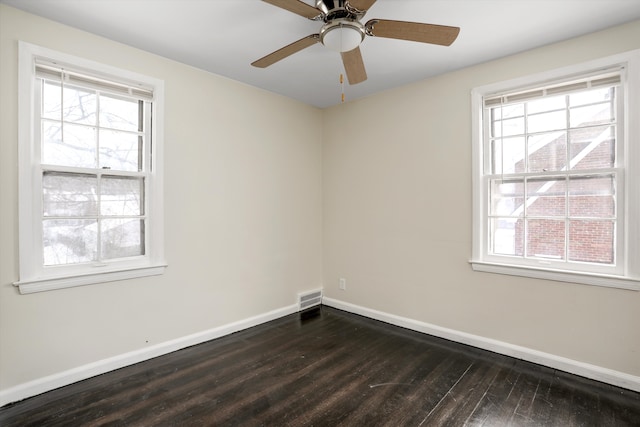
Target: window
[(556, 163), (90, 172)]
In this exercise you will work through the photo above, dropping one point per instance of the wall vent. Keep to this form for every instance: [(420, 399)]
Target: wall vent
[(309, 299)]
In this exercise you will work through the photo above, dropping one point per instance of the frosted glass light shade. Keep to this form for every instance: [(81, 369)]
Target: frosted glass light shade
[(342, 38)]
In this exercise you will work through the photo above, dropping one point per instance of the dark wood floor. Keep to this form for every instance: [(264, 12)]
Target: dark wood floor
[(329, 368)]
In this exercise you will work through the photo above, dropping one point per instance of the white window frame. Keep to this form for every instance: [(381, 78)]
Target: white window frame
[(34, 276), (626, 273)]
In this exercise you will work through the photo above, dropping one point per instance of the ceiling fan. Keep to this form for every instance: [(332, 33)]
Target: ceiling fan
[(342, 31)]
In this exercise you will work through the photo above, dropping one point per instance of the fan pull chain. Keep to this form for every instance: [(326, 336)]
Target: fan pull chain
[(341, 77)]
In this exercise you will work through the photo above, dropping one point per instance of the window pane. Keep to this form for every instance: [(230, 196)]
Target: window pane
[(122, 238), (508, 111), (592, 197), (120, 150), (507, 197), (591, 115), (592, 96), (72, 145), (547, 152), (120, 113), (547, 121), (545, 238), (69, 241), (121, 196), (508, 127), (546, 197), (508, 155), (69, 194), (592, 148), (78, 106), (507, 236), (591, 241), (547, 104), (51, 101)]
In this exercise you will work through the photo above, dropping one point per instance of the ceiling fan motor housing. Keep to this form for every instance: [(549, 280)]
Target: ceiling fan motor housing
[(342, 30), (333, 9)]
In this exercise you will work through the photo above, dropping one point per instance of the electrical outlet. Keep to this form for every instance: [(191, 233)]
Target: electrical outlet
[(343, 284)]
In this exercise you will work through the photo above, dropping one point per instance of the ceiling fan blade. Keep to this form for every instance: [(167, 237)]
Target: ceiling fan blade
[(413, 31), (297, 7), (288, 50), (354, 66), (363, 5)]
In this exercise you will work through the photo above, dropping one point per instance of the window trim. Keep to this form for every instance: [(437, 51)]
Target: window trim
[(629, 276), (34, 277)]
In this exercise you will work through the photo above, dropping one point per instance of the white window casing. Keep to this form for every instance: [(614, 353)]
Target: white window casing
[(146, 94), (491, 105)]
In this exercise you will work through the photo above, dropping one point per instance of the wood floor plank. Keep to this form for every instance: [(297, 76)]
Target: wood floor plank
[(326, 367)]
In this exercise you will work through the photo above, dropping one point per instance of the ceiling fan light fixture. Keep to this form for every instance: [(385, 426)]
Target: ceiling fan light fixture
[(342, 35)]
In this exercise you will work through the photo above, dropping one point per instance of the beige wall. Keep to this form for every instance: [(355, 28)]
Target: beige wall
[(397, 219), (243, 215), (252, 193)]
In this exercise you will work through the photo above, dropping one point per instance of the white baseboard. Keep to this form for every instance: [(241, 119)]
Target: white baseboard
[(51, 382), (609, 376)]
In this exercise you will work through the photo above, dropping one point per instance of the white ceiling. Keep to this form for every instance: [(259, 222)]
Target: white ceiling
[(225, 36)]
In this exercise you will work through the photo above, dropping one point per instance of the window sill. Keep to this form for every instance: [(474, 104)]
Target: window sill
[(49, 284), (619, 282)]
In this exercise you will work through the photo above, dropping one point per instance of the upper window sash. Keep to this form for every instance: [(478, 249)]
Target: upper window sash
[(492, 159)]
